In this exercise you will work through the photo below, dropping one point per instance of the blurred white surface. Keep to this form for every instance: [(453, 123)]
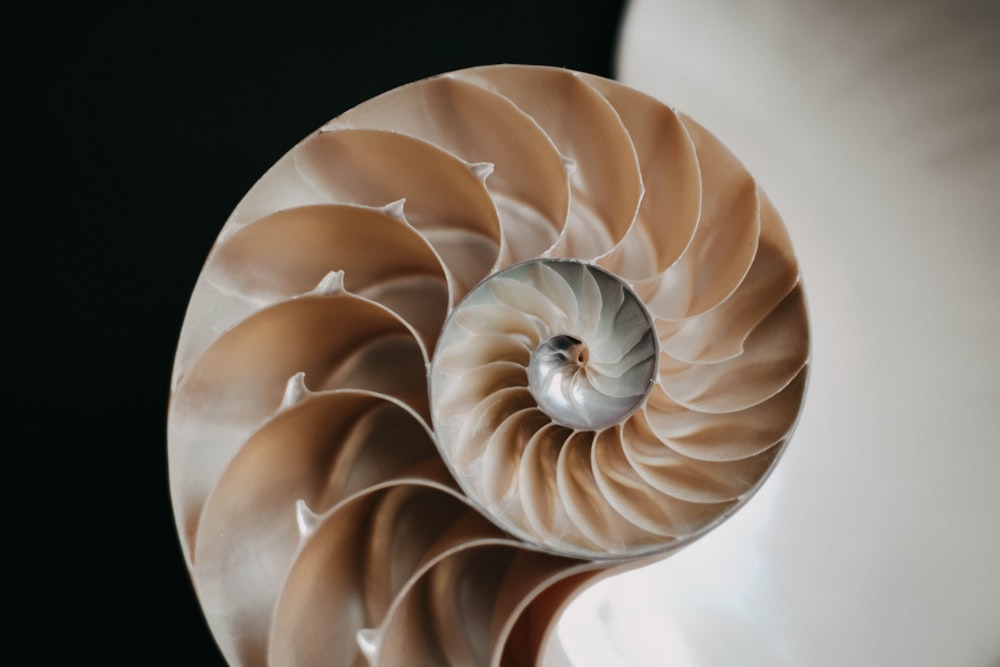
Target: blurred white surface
[(875, 129)]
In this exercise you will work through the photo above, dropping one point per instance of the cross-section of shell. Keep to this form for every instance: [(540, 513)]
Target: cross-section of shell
[(470, 345)]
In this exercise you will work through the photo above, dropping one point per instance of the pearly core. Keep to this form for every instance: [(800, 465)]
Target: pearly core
[(590, 391)]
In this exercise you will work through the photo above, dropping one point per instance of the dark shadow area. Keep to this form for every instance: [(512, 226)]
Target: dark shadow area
[(131, 136)]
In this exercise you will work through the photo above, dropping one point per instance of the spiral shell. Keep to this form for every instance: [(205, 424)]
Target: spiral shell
[(470, 345)]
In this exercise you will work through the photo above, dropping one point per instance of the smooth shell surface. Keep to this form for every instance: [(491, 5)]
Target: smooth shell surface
[(472, 344)]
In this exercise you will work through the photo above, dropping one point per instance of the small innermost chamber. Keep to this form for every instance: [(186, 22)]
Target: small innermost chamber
[(599, 371), (553, 378), (572, 393)]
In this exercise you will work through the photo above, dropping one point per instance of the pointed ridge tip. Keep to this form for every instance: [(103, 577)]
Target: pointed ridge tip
[(367, 639), (332, 283), (305, 518), (339, 124), (482, 170), (295, 390), (569, 164), (334, 124), (226, 233), (395, 209)]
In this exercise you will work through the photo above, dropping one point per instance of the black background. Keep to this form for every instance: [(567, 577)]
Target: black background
[(130, 136)]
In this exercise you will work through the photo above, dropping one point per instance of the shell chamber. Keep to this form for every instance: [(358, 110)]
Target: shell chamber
[(472, 344)]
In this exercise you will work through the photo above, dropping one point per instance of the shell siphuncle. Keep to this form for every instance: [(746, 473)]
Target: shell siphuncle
[(472, 344)]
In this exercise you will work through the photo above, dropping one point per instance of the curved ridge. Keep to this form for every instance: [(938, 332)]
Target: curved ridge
[(724, 243), (529, 182), (672, 198), (719, 333), (322, 449), (446, 198), (606, 184), (774, 353), (239, 382), (359, 558), (286, 253)]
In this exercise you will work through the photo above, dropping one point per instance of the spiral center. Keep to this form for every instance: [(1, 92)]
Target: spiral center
[(591, 347), (598, 370), (562, 350), (554, 366)]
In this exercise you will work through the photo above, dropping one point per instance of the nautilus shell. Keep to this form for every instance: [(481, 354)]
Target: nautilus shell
[(469, 346)]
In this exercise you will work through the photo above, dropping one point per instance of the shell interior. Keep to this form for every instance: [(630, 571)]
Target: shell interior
[(472, 344)]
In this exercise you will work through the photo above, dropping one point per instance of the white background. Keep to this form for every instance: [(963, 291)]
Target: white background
[(875, 129)]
